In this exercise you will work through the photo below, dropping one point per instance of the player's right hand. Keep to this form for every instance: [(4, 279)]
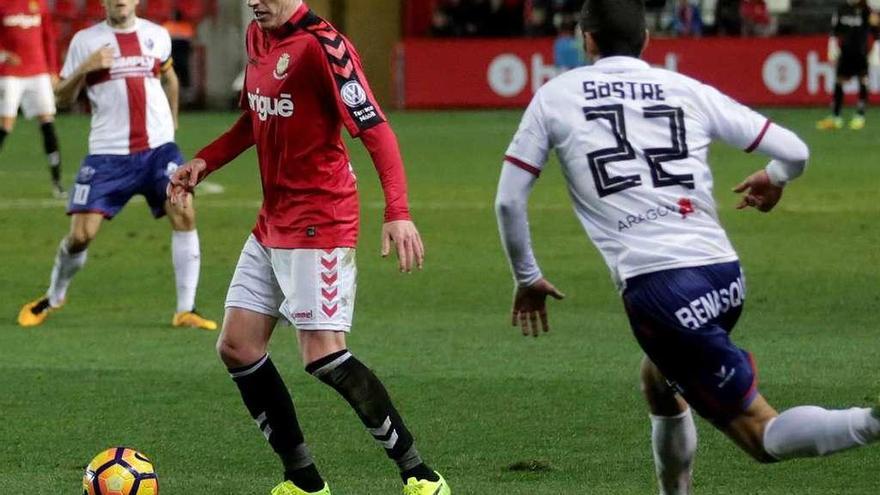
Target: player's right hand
[(100, 59), (530, 306), (183, 181)]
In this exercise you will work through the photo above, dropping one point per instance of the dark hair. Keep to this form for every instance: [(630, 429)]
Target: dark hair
[(617, 26)]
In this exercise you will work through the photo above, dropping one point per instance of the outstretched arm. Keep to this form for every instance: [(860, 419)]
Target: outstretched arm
[(223, 150)]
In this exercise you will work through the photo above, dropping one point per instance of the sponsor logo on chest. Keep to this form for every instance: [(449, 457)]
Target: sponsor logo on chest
[(133, 66), (23, 21), (266, 106)]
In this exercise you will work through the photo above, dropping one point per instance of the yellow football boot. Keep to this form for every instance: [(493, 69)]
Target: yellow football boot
[(193, 320), (857, 123), (425, 487), (288, 488), (830, 123), (35, 312)]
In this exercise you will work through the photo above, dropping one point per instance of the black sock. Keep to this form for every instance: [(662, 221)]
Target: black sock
[(863, 98), (369, 399), (50, 146), (3, 134), (838, 99), (268, 400)]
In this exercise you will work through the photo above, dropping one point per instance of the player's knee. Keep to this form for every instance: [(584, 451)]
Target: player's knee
[(315, 345), (182, 219), (235, 354), (79, 239)]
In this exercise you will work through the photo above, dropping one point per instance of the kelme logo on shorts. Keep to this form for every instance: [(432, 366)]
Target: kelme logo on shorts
[(265, 106)]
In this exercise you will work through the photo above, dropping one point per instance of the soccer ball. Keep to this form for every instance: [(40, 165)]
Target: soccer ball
[(120, 471)]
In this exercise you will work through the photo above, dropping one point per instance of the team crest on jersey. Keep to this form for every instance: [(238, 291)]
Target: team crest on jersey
[(281, 66), (149, 44), (34, 5), (353, 94)]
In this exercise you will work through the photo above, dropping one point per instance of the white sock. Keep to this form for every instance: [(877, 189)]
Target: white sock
[(810, 431), (187, 259), (674, 439), (66, 266)]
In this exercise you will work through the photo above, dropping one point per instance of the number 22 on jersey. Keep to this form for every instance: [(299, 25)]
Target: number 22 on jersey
[(607, 184)]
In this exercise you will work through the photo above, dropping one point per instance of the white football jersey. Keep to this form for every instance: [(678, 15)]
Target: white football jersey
[(130, 112), (633, 142)]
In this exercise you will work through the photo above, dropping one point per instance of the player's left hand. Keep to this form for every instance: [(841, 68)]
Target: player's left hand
[(530, 305), (406, 240), (759, 192)]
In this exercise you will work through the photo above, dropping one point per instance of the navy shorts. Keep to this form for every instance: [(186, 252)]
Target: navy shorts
[(682, 319), (105, 183)]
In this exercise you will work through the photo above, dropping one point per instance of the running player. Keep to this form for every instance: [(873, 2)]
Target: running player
[(851, 27), (28, 72), (125, 65), (303, 83), (633, 143)]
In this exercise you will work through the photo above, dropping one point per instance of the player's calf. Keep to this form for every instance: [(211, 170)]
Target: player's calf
[(673, 432), (52, 150), (803, 431), (358, 385)]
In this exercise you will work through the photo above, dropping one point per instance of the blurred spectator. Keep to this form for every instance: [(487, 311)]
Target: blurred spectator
[(505, 18), (568, 49), (539, 20), (727, 17), (687, 21), (756, 19), (481, 18)]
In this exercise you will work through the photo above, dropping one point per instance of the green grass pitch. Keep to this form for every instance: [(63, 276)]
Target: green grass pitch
[(108, 369)]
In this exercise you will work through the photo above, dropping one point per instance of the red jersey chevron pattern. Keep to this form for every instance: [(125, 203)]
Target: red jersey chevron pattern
[(329, 279), (345, 65)]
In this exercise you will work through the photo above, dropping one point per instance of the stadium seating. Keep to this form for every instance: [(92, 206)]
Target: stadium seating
[(159, 11)]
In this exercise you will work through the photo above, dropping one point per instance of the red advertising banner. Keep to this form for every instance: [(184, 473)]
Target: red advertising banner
[(506, 73)]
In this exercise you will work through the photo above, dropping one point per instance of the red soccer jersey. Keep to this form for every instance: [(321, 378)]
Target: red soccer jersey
[(303, 83), (26, 30)]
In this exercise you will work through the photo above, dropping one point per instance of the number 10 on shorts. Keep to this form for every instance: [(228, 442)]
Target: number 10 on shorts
[(81, 194)]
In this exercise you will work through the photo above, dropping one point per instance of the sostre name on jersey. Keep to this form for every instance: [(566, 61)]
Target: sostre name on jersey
[(624, 89)]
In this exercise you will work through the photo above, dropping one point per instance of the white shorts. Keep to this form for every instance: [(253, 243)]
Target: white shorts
[(314, 289), (33, 94)]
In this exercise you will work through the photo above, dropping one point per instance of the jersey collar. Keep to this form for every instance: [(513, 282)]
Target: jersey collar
[(292, 24), (613, 64), (134, 27)]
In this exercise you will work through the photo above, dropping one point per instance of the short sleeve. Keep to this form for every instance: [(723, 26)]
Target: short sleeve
[(74, 58), (348, 84), (531, 143), (165, 48), (731, 121)]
